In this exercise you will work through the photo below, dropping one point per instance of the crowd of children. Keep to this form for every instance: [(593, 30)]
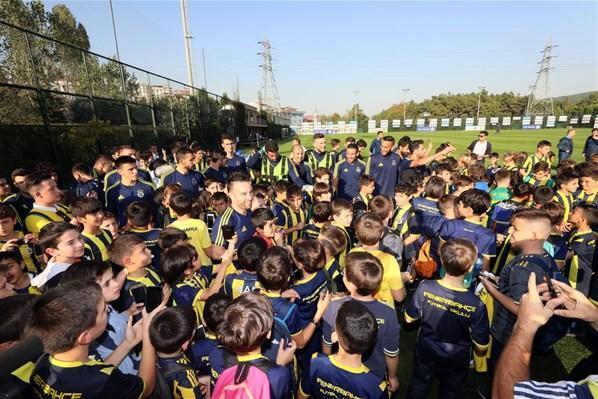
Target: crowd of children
[(203, 274)]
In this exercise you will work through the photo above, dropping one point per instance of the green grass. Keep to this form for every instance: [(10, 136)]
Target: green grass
[(507, 140), (569, 351)]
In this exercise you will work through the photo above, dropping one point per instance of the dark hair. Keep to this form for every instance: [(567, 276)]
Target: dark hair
[(238, 177), (352, 145), (405, 188), (369, 228), (458, 255), (484, 132), (310, 254), (171, 328), (478, 200), (213, 311), (388, 138), (219, 196), (294, 191), (260, 216), (404, 141), (80, 167), (435, 187), (318, 136), (522, 190), (566, 176), (442, 167), (274, 269), (123, 246), (139, 214), (125, 159), (247, 323), (543, 195), (541, 166), (271, 146), (84, 206), (477, 172), (555, 211), (322, 211), (320, 188), (414, 145), (85, 270), (361, 143), (381, 205), (13, 255), (175, 260), (181, 152), (50, 235), (334, 142), (543, 143), (19, 172), (281, 186), (181, 203), (7, 211), (15, 311), (502, 174), (170, 236), (250, 253), (365, 271), (339, 205), (365, 180), (446, 202), (590, 213), (35, 179), (61, 314), (356, 327)]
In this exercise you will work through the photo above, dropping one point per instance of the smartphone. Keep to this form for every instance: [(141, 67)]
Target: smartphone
[(210, 219), (138, 293), (551, 290), (228, 231), (21, 241), (153, 298)]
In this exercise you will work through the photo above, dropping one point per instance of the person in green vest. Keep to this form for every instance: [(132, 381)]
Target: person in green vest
[(319, 157), (268, 165)]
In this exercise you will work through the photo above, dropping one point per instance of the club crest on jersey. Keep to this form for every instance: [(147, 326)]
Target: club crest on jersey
[(394, 163), (358, 170), (380, 165), (243, 229), (140, 193)]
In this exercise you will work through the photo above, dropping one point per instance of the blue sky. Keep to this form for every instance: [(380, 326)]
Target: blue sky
[(323, 51)]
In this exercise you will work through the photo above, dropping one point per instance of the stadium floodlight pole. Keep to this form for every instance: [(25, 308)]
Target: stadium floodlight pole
[(480, 88), (405, 103)]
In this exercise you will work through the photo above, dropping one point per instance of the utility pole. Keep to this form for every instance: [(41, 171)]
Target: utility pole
[(540, 97), (205, 78), (187, 38), (480, 89), (355, 93), (405, 91), (269, 88)]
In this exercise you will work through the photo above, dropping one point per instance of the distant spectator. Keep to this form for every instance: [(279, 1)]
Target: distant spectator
[(565, 145), (591, 146), (481, 148)]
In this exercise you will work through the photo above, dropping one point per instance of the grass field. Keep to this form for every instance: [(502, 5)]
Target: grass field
[(507, 140), (553, 366)]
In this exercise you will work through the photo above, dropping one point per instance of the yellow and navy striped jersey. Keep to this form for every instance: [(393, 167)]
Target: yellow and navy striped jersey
[(54, 378), (180, 376), (365, 198), (586, 198), (188, 292), (580, 267), (38, 217), (311, 231), (566, 200), (448, 314), (97, 247), (329, 378), (151, 279), (30, 253), (532, 181), (532, 160), (401, 220), (199, 353), (290, 218)]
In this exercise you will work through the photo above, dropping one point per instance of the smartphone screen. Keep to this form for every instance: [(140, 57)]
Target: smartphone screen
[(210, 220), (153, 298), (138, 292), (228, 232)]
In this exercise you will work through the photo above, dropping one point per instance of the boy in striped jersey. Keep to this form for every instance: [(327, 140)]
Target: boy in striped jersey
[(294, 216), (89, 213)]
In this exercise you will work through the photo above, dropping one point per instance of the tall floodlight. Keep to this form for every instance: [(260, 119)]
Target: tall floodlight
[(540, 96), (269, 91), (187, 38)]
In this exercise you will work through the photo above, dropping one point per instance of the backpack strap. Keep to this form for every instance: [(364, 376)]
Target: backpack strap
[(172, 368)]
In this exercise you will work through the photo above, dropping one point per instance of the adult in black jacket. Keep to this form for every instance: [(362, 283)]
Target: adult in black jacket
[(481, 148)]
